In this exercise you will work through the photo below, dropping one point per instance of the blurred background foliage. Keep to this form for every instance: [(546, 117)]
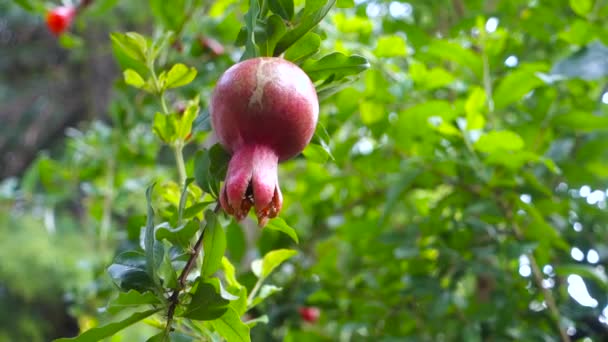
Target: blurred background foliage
[(464, 199)]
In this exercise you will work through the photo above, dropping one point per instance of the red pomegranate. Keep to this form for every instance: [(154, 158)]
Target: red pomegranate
[(60, 18), (264, 111)]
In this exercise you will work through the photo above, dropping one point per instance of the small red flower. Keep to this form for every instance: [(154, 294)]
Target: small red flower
[(60, 18)]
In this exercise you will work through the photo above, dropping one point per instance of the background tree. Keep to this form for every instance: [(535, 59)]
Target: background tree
[(455, 190)]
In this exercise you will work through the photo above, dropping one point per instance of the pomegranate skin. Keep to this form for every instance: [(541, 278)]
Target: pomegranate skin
[(267, 101), (263, 111)]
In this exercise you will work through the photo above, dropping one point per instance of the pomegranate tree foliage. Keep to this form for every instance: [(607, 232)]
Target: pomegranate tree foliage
[(455, 184)]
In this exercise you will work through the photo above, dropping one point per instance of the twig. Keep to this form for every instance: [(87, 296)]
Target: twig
[(181, 281), (538, 278)]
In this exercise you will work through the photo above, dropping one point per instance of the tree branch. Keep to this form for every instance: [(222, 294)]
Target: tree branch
[(181, 281)]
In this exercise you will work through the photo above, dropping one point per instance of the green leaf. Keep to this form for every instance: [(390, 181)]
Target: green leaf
[(184, 125), (99, 333), (207, 302), (316, 153), (303, 48), (132, 299), (170, 13), (129, 272), (230, 273), (275, 28), (280, 225), (498, 141), (581, 122), (231, 328), (311, 15), (284, 8), (131, 44), (133, 78), (202, 123), (335, 65), (456, 53), (345, 3), (515, 86), (391, 46), (179, 75), (166, 272), (210, 168), (236, 241), (180, 235), (251, 50), (183, 198), (165, 127), (214, 245), (474, 107), (262, 268), (581, 7)]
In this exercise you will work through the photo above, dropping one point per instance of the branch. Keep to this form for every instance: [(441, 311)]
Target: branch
[(538, 277), (181, 281)]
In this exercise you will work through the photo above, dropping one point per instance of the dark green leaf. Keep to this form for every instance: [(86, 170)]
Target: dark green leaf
[(312, 14), (251, 49), (132, 299), (515, 86), (275, 28), (99, 333), (129, 272), (180, 235), (303, 48), (207, 302), (284, 8), (335, 65)]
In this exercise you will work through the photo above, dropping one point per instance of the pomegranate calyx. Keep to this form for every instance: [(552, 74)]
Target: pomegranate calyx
[(251, 181)]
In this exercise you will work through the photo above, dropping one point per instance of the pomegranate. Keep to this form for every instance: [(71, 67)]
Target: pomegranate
[(310, 313), (60, 18), (264, 111)]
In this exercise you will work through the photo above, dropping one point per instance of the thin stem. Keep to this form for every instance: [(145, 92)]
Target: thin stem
[(179, 160), (254, 291), (181, 281), (549, 299), (164, 104), (538, 277)]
